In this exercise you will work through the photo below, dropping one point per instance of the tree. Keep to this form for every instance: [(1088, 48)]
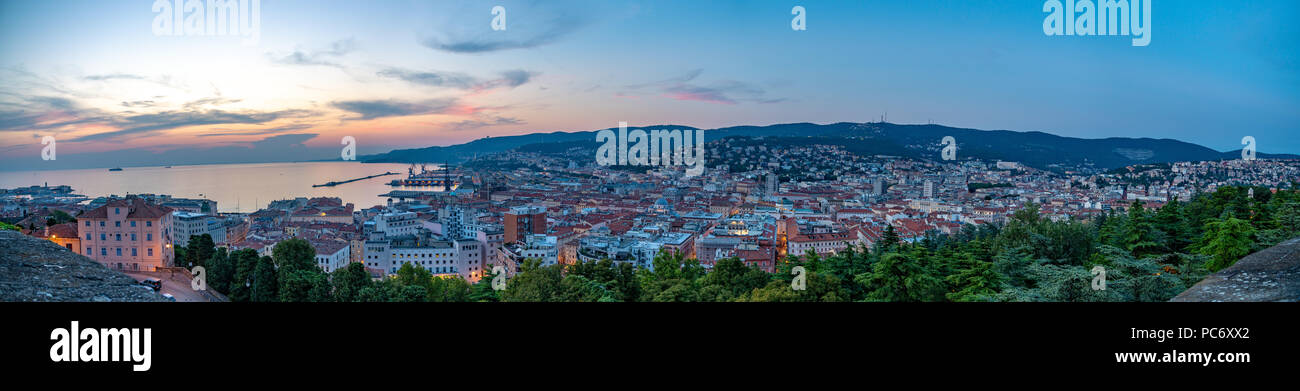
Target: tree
[(1139, 234), (1226, 240), (294, 254), (221, 270), (1173, 223), (244, 262), (976, 280), (534, 282), (732, 278), (265, 286), (349, 281), (199, 250), (898, 277)]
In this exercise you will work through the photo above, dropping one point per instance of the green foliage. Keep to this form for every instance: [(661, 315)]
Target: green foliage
[(294, 254), (899, 277), (1226, 240), (220, 271), (265, 285), (198, 251), (349, 282)]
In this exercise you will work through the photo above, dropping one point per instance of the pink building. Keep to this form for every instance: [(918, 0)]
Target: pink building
[(128, 234)]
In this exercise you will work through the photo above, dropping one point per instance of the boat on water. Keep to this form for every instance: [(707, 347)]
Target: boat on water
[(115, 169), (426, 178)]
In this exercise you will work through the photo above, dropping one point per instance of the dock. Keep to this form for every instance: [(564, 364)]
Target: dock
[(336, 183)]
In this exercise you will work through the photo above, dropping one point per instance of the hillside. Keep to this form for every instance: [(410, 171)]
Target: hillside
[(1036, 149)]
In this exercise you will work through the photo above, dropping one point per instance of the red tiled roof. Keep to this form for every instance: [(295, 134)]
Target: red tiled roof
[(136, 209)]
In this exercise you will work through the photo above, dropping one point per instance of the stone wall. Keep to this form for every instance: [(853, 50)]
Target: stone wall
[(1272, 274), (32, 269)]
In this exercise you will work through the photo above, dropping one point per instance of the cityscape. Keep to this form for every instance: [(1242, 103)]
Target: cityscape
[(648, 151), (765, 206), (398, 191)]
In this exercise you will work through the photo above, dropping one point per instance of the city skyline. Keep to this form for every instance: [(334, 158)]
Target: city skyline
[(413, 74)]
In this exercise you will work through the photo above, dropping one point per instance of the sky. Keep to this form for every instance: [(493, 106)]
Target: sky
[(405, 74)]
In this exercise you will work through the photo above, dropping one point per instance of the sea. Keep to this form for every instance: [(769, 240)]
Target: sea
[(238, 188)]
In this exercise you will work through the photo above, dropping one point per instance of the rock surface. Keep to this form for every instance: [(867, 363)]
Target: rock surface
[(1273, 274), (32, 269)]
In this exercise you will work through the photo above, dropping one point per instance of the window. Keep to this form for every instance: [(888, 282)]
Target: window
[(133, 252), (103, 251), (119, 237), (132, 223), (132, 237), (117, 224), (101, 224), (119, 251), (148, 237), (87, 236), (117, 211), (89, 251), (103, 237), (148, 223), (87, 223), (149, 251)]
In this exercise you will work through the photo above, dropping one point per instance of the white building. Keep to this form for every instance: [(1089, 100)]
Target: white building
[(397, 223), (441, 257), (186, 224), (332, 255)]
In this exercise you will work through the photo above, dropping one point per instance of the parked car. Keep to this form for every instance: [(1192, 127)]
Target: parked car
[(154, 283)]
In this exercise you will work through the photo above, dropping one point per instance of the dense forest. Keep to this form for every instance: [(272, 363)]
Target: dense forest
[(1145, 255)]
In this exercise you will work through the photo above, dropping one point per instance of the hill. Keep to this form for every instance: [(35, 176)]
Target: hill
[(1036, 149)]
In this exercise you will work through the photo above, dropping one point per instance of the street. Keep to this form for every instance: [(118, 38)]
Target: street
[(175, 284)]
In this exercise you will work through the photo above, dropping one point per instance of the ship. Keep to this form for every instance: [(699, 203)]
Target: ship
[(426, 178), (115, 169)]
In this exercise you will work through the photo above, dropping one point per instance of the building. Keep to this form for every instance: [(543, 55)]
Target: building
[(443, 258), (771, 183), (332, 255), (187, 224), (127, 234), (397, 223), (61, 234), (524, 220)]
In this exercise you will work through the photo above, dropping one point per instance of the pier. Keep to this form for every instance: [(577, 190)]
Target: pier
[(336, 183)]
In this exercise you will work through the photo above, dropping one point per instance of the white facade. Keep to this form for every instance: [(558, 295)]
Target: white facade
[(397, 224), (331, 261), (186, 224)]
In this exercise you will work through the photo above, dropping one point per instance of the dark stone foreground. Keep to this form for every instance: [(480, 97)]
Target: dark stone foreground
[(32, 269), (1273, 274)]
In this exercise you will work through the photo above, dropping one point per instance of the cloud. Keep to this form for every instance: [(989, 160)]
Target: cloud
[(278, 148), (480, 123), (431, 78), (508, 79), (212, 101), (371, 109), (257, 132), (543, 25), (114, 76), (684, 87), (324, 57), (139, 124)]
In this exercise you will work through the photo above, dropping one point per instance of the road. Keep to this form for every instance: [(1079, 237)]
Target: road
[(174, 283)]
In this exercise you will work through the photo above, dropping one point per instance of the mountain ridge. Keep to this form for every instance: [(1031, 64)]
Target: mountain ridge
[(1033, 148)]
